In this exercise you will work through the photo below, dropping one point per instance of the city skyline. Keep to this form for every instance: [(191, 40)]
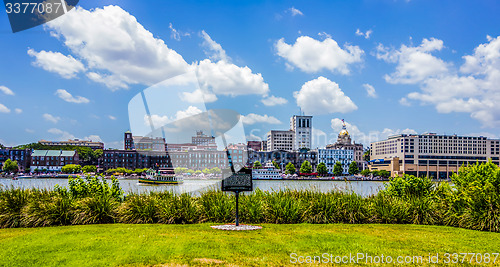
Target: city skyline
[(386, 67)]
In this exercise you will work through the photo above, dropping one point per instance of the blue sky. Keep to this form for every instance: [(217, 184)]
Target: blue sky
[(386, 67)]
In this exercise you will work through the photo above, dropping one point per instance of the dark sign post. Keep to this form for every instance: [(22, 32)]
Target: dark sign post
[(236, 181)]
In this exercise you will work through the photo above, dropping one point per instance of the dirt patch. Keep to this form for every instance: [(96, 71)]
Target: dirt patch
[(209, 261)]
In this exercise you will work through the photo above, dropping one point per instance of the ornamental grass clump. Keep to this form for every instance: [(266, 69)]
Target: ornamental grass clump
[(217, 206), (139, 209), (48, 208), (12, 201)]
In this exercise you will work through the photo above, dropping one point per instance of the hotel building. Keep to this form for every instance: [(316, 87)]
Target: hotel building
[(433, 155), (281, 140)]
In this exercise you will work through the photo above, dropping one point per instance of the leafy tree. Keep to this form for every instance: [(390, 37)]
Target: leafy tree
[(353, 168), (206, 171), (180, 170), (257, 164), (337, 169), (290, 168), (375, 173), (366, 155), (89, 168), (276, 165), (305, 167), (215, 170), (10, 166), (1, 146), (190, 171), (384, 173), (365, 172), (71, 168), (197, 172), (321, 169)]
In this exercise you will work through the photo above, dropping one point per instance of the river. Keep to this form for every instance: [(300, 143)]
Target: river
[(363, 188)]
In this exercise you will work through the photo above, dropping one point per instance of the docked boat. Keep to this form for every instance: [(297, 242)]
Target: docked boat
[(161, 176), (268, 172), (23, 177)]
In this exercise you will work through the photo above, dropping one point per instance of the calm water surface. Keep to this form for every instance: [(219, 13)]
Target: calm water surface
[(364, 188)]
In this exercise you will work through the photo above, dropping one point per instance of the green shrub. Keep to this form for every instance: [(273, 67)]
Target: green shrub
[(96, 209), (217, 206), (12, 201), (138, 209), (47, 208)]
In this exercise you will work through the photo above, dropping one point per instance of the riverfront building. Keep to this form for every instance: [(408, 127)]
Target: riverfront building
[(344, 141), (430, 154), (331, 156), (281, 140), (302, 126), (52, 160), (284, 157)]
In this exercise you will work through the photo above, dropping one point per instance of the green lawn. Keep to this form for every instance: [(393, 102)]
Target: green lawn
[(172, 245)]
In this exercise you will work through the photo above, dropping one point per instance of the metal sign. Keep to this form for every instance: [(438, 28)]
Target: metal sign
[(240, 181)]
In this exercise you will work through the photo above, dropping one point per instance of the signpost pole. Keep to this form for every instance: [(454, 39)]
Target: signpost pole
[(237, 193)]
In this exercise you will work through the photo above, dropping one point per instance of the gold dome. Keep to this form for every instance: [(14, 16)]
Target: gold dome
[(344, 132)]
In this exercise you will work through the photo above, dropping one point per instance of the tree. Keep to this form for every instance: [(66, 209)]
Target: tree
[(215, 170), (337, 169), (290, 168), (366, 155), (375, 173), (10, 166), (353, 168), (305, 167), (89, 168), (276, 164), (257, 164), (206, 171), (71, 168), (321, 169), (384, 173), (197, 172), (365, 172)]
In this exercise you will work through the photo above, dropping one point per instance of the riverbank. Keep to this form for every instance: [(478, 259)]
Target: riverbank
[(199, 245)]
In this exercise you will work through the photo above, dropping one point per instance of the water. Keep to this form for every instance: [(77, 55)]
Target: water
[(363, 188)]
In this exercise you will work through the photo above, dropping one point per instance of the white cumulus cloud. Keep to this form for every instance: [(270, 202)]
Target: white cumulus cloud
[(6, 90), (66, 66), (114, 44), (414, 64), (66, 96), (295, 12), (364, 34), (18, 110), (214, 50), (472, 89), (198, 96), (370, 90), (62, 135), (4, 109), (51, 118), (253, 118), (311, 55), (274, 101), (223, 78), (322, 96)]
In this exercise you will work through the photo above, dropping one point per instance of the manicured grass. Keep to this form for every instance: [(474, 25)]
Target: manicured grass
[(198, 244)]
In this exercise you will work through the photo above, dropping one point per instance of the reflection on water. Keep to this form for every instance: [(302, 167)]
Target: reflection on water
[(364, 188)]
